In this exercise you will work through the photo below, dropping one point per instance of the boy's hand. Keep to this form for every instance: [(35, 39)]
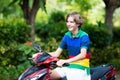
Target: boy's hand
[(61, 62), (34, 55)]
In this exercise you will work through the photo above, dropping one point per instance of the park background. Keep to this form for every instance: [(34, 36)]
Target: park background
[(24, 22)]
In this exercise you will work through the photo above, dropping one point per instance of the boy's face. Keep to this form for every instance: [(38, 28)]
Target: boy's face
[(71, 24)]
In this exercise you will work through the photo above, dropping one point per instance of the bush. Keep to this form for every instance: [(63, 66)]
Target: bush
[(12, 72), (56, 17), (116, 34), (13, 31), (99, 36), (46, 31), (109, 54)]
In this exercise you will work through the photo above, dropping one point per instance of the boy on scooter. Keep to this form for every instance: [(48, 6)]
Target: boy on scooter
[(77, 42)]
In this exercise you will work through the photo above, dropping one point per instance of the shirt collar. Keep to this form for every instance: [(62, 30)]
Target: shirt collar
[(77, 35)]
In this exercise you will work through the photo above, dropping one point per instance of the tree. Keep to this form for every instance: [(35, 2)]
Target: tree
[(110, 7), (30, 11)]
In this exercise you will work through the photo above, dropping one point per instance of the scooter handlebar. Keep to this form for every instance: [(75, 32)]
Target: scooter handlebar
[(65, 64)]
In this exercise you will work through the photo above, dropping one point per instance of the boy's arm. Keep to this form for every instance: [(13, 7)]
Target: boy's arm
[(56, 53)]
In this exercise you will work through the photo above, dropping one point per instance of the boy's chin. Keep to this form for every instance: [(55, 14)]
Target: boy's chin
[(70, 29)]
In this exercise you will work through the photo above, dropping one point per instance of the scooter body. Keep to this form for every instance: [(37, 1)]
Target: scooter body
[(41, 70), (35, 73)]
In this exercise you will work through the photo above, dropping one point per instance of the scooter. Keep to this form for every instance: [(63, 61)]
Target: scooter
[(45, 62), (41, 69)]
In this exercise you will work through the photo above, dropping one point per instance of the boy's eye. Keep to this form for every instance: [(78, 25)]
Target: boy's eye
[(70, 21)]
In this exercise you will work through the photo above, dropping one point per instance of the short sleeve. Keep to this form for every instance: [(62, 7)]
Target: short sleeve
[(85, 42)]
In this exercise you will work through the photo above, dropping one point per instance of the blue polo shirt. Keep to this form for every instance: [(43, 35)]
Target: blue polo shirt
[(74, 44)]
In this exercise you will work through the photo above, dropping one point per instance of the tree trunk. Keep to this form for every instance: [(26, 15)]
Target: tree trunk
[(29, 14), (110, 7), (108, 21)]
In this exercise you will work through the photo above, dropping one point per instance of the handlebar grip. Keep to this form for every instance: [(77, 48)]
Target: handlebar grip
[(66, 64)]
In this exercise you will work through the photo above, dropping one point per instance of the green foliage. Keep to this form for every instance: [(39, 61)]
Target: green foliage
[(8, 8), (26, 51), (75, 5), (42, 5), (54, 27), (99, 36), (9, 72), (13, 29), (14, 63), (116, 34), (109, 54), (56, 17), (12, 72), (12, 33)]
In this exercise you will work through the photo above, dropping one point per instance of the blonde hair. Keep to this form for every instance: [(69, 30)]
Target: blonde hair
[(77, 18)]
